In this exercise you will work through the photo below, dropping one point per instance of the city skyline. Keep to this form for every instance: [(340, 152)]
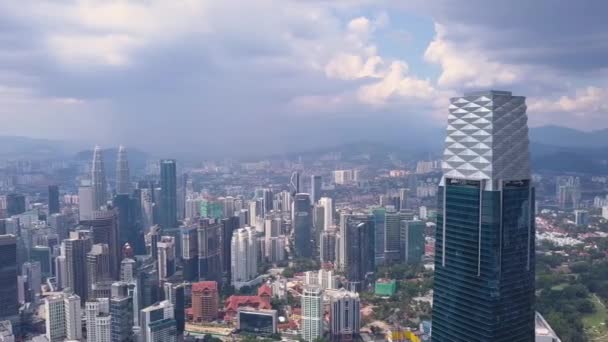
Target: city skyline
[(353, 66)]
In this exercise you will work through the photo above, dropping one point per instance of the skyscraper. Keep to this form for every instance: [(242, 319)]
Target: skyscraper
[(244, 249), (168, 193), (76, 249), (344, 315), (210, 250), (312, 313), (412, 241), (229, 225), (484, 252), (104, 229), (189, 237), (53, 199), (98, 179), (123, 183), (9, 307), (315, 188), (15, 204), (302, 225), (359, 249), (328, 211), (121, 311)]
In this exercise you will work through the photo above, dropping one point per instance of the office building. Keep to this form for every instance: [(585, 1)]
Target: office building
[(98, 267), (31, 272), (257, 321), (412, 241), (403, 198), (205, 301), (484, 251), (53, 199), (121, 311), (379, 216), (327, 246), (358, 243), (15, 204), (543, 331), (190, 265), (168, 193), (158, 323), (210, 250), (76, 248), (294, 183), (9, 306), (229, 225), (244, 249), (104, 229), (98, 180), (302, 226), (312, 313), (315, 188), (581, 217), (59, 225), (123, 181), (344, 315), (86, 202), (42, 255), (392, 234)]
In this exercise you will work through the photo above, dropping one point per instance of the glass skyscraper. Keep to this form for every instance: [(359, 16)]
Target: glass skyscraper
[(484, 259), (302, 224), (168, 193)]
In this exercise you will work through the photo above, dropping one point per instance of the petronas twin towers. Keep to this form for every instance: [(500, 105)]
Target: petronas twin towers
[(98, 176)]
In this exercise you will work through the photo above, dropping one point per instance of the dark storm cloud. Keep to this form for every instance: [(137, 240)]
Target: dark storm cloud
[(561, 34)]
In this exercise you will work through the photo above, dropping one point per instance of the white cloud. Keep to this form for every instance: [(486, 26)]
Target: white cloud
[(84, 50), (466, 66), (587, 100)]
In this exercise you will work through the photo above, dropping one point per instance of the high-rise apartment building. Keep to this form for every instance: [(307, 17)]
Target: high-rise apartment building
[(484, 251), (312, 313), (302, 226), (98, 180), (244, 249), (168, 193)]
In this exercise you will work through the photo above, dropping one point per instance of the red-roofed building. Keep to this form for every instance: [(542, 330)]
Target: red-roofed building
[(205, 301), (233, 303), (265, 292)]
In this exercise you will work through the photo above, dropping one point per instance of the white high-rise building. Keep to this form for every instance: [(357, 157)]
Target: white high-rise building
[(98, 179), (55, 318), (244, 256), (328, 209), (325, 279), (158, 323), (127, 270), (166, 257), (312, 313), (98, 321), (147, 208), (73, 317), (123, 183), (344, 315)]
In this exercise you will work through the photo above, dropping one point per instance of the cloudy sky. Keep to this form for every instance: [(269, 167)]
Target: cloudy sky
[(273, 75)]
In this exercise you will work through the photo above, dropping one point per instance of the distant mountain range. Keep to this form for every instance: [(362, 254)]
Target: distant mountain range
[(553, 148)]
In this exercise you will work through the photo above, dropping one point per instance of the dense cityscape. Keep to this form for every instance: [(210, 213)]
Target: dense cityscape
[(470, 246), (303, 171)]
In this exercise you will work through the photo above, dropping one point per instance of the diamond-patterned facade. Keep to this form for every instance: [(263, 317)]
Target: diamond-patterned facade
[(487, 137)]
